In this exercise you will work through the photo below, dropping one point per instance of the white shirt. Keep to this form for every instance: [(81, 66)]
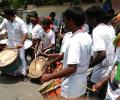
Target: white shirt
[(29, 27), (37, 31), (65, 41), (103, 40), (48, 39), (78, 51), (15, 30)]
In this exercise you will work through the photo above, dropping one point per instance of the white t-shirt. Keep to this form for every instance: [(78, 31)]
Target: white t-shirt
[(102, 40), (29, 27), (65, 41), (48, 38), (37, 31), (78, 51)]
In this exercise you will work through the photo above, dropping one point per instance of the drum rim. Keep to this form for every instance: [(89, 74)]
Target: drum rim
[(13, 60)]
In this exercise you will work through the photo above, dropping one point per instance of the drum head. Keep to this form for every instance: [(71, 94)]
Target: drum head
[(4, 41), (27, 44), (37, 67), (8, 56)]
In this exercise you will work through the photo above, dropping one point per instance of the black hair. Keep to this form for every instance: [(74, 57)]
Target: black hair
[(46, 21), (95, 12), (76, 14), (109, 15), (34, 14), (9, 12), (52, 14)]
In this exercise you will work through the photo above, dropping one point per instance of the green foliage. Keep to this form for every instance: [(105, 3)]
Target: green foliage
[(16, 3)]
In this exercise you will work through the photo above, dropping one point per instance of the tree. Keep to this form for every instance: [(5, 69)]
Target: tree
[(16, 3)]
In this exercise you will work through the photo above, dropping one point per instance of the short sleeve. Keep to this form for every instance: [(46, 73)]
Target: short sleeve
[(74, 52), (98, 40)]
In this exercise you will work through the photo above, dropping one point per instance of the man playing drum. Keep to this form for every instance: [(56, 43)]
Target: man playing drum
[(35, 33), (76, 56), (17, 34)]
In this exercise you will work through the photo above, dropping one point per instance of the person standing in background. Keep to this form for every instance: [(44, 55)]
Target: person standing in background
[(35, 33), (48, 38)]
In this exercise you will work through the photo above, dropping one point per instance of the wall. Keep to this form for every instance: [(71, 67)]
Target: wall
[(45, 10)]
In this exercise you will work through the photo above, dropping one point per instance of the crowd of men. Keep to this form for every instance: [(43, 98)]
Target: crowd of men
[(80, 49)]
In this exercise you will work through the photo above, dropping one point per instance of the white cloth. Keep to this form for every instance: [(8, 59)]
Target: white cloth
[(78, 51), (16, 30), (37, 31), (48, 39), (65, 41), (29, 27), (112, 95), (103, 40)]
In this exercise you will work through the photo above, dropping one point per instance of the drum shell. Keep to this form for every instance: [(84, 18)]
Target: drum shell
[(11, 67), (52, 91)]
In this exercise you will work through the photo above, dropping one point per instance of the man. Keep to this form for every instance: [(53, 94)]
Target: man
[(35, 33), (113, 89), (48, 38), (17, 33), (76, 56), (103, 49)]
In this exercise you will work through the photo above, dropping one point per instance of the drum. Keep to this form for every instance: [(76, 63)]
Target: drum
[(9, 60), (51, 90), (37, 67), (27, 44)]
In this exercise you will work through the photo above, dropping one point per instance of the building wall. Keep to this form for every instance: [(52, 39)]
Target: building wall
[(45, 10)]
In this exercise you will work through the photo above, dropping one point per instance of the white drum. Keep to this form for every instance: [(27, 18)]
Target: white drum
[(27, 44)]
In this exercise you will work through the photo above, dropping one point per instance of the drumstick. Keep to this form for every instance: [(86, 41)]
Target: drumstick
[(9, 48)]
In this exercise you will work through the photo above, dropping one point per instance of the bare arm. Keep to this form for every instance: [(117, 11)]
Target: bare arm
[(50, 46), (100, 84), (62, 73), (101, 55)]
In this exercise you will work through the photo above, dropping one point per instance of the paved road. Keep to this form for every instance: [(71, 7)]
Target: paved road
[(15, 89)]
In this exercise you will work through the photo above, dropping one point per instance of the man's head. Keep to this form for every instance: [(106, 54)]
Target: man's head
[(9, 14), (74, 17), (34, 17), (28, 19), (52, 15), (46, 24), (95, 15)]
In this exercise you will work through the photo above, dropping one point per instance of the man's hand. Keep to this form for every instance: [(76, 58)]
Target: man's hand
[(19, 46), (45, 77), (96, 86)]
